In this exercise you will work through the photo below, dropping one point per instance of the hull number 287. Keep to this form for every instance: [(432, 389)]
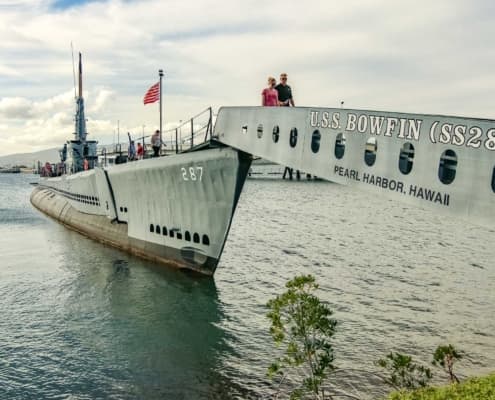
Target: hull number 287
[(192, 173)]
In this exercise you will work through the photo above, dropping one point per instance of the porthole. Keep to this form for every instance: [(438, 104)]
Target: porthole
[(152, 228), (447, 167), (187, 236), (164, 230), (196, 238), (315, 141), (125, 209), (244, 129), (370, 151), (275, 133), (171, 233), (493, 180), (179, 235), (293, 137), (339, 146), (206, 240), (406, 157), (158, 229), (259, 131)]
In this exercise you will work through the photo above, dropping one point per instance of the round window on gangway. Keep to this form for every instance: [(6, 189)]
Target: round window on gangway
[(275, 133), (406, 158), (293, 137), (447, 167), (259, 131), (315, 141), (370, 151), (340, 146)]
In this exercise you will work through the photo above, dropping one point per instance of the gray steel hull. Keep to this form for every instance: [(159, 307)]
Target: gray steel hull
[(174, 210)]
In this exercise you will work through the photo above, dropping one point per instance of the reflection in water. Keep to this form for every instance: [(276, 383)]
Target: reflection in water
[(159, 328)]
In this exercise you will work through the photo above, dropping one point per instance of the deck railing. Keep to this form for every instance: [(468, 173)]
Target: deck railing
[(182, 138)]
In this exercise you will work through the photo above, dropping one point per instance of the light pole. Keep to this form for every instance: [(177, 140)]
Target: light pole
[(160, 73)]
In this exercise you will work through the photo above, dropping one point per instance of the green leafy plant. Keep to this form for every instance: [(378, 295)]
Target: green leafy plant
[(303, 325), (404, 373), (482, 388), (446, 356)]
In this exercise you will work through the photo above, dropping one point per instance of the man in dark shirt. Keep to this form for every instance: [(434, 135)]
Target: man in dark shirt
[(284, 92)]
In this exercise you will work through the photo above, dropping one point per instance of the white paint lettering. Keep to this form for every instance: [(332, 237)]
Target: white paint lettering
[(335, 120), (376, 124), (402, 128), (314, 118), (324, 119), (414, 129), (351, 122), (445, 133), (391, 125), (475, 140), (362, 123), (459, 135)]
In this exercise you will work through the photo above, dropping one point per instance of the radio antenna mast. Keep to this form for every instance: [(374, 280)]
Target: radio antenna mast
[(73, 70)]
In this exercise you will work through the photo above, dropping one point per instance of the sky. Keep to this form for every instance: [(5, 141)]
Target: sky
[(434, 57)]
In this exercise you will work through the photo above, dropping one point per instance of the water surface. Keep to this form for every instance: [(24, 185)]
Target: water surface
[(85, 321)]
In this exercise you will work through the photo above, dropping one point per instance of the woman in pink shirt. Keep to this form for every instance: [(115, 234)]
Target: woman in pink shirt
[(269, 95)]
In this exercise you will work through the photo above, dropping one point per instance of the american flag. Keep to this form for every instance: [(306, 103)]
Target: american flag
[(153, 94)]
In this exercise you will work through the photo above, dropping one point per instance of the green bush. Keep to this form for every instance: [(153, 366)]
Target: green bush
[(404, 373), (471, 389), (302, 324)]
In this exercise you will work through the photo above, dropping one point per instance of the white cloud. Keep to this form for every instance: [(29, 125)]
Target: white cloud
[(415, 56), (15, 107), (103, 97), (35, 125)]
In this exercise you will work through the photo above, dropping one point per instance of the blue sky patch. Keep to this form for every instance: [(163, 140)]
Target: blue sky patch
[(65, 4)]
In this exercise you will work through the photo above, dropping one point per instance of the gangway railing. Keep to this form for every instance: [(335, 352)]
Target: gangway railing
[(197, 126), (181, 138)]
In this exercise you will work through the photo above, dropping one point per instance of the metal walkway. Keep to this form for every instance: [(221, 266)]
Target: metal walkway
[(438, 162)]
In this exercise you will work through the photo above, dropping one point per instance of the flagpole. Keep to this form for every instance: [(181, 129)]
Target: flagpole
[(160, 73)]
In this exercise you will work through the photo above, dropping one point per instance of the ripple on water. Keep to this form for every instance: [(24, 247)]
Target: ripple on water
[(80, 320)]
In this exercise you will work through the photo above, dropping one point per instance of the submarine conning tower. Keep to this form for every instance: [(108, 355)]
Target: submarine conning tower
[(79, 148)]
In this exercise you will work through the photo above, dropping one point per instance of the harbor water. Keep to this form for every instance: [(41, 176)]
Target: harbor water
[(80, 320)]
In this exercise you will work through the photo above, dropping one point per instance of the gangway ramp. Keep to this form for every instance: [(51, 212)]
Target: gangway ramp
[(438, 162)]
